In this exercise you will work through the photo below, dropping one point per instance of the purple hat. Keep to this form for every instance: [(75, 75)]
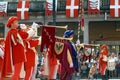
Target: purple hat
[(68, 33)]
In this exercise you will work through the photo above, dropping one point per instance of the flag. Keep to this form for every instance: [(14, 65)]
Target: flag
[(49, 7), (114, 8), (3, 8), (93, 7), (23, 9), (48, 37), (72, 8)]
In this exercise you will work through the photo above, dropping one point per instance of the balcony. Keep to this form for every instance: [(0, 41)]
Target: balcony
[(39, 6)]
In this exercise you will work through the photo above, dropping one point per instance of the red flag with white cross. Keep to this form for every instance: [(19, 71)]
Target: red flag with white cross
[(72, 7), (23, 9), (114, 8)]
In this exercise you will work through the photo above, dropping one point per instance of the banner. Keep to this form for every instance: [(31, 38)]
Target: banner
[(93, 7), (48, 37), (49, 7), (3, 8)]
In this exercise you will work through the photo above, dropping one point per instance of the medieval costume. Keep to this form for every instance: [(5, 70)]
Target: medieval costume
[(103, 60), (53, 65), (14, 49), (31, 57), (30, 52), (69, 34), (49, 64), (64, 55)]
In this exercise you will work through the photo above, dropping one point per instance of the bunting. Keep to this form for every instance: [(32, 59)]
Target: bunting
[(49, 7), (93, 7), (3, 9)]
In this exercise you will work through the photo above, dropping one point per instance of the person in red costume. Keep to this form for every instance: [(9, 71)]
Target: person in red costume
[(14, 55), (103, 61), (2, 42), (31, 54), (53, 65)]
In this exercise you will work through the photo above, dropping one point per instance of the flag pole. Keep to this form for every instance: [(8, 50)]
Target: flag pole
[(44, 13), (79, 22), (54, 13)]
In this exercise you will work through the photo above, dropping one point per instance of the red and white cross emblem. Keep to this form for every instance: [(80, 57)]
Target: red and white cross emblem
[(114, 8), (72, 8), (22, 10)]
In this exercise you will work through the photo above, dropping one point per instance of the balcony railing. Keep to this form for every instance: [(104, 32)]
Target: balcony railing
[(39, 6)]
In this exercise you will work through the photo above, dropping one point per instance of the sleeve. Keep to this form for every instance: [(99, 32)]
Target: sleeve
[(69, 58), (34, 43), (14, 39), (23, 34)]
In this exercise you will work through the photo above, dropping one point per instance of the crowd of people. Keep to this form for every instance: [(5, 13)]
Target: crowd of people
[(99, 67), (91, 69), (19, 58)]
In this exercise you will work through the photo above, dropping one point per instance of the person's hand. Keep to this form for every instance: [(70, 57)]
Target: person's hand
[(71, 65), (23, 26)]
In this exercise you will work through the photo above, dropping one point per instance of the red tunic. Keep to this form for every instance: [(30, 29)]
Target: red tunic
[(66, 71), (30, 53), (102, 61), (14, 50), (52, 63)]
